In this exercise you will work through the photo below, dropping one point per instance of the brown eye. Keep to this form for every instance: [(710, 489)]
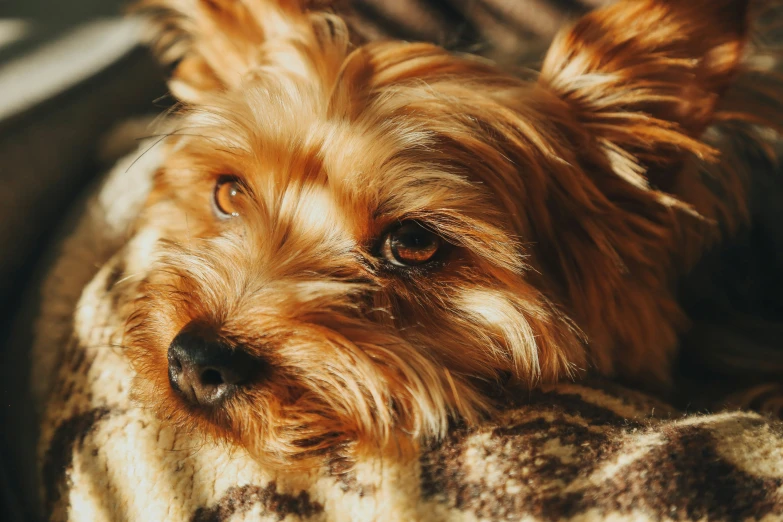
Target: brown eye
[(410, 244), (227, 190)]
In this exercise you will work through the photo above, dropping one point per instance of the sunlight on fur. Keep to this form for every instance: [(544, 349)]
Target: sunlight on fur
[(392, 233)]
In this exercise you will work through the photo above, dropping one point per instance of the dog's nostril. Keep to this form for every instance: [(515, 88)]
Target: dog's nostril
[(212, 377), (206, 372)]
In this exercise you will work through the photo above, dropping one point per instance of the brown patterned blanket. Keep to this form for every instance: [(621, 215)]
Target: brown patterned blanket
[(591, 451)]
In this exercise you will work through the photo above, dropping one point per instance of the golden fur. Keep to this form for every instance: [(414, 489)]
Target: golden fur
[(571, 203)]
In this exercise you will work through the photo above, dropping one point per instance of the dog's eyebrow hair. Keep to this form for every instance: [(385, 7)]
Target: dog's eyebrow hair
[(228, 151), (377, 212)]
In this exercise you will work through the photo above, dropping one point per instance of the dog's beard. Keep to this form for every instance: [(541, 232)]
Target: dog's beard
[(331, 375)]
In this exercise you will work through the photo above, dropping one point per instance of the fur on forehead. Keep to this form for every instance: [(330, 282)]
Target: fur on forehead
[(383, 147)]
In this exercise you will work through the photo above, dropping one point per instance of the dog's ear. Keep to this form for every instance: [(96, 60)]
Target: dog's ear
[(216, 44), (644, 78)]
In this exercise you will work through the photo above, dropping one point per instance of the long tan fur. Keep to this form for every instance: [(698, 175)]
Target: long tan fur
[(570, 203)]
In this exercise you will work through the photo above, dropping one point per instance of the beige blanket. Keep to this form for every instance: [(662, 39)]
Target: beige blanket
[(573, 452)]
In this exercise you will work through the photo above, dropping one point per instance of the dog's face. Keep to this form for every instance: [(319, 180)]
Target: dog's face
[(354, 243), (363, 261)]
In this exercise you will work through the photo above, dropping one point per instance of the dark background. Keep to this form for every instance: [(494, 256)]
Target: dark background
[(48, 155)]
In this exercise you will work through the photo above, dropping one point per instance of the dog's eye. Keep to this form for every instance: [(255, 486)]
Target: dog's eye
[(410, 244), (227, 190)]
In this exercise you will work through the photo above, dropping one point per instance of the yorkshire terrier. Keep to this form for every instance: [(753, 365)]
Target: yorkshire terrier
[(357, 241)]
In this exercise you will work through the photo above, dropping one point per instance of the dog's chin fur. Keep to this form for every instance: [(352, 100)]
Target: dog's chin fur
[(569, 202)]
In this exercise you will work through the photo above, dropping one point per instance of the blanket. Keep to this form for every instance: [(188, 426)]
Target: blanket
[(586, 451)]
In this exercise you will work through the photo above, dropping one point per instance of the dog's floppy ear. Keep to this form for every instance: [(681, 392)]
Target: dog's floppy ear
[(645, 76), (216, 44)]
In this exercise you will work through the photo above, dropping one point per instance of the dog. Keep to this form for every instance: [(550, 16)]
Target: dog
[(358, 243)]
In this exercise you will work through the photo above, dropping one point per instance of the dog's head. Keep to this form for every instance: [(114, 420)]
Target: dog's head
[(356, 239)]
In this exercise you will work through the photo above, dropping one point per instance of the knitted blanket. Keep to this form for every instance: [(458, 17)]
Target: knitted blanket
[(589, 451)]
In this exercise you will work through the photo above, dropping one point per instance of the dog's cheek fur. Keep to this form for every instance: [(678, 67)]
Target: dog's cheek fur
[(485, 322)]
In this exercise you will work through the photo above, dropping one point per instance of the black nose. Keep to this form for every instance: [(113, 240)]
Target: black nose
[(205, 372)]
